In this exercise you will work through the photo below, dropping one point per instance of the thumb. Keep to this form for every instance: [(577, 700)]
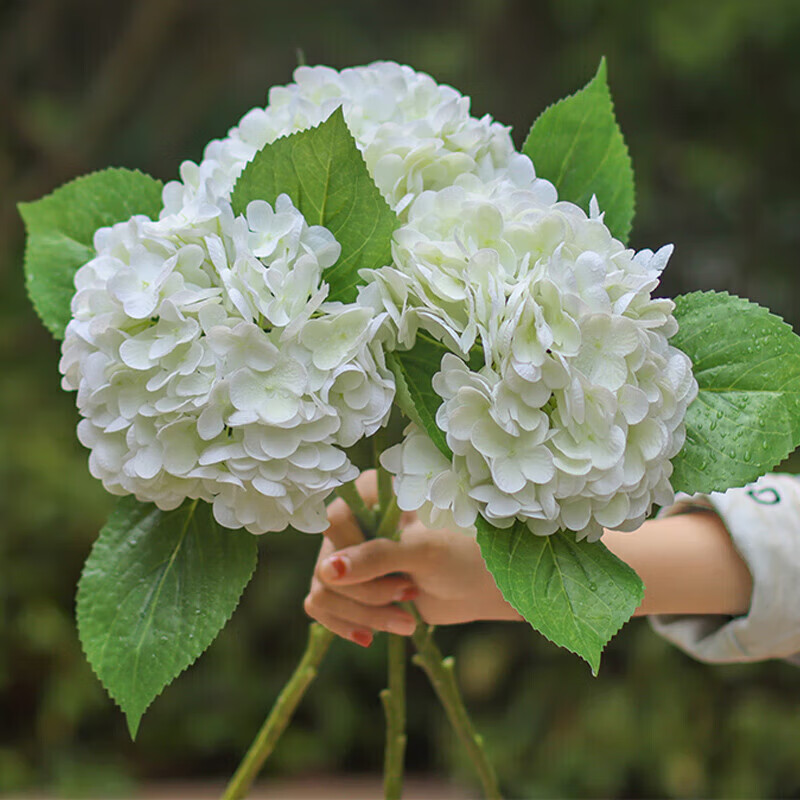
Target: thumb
[(342, 529), (366, 561)]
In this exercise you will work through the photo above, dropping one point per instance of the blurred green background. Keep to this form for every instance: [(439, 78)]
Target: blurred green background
[(708, 95)]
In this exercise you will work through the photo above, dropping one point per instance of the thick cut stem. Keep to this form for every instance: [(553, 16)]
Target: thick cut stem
[(319, 640), (394, 706), (440, 671), (394, 696), (440, 674)]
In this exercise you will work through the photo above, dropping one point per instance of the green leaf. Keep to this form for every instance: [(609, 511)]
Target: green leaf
[(577, 145), (746, 418), (324, 174), (413, 372), (577, 594), (61, 228), (155, 591)]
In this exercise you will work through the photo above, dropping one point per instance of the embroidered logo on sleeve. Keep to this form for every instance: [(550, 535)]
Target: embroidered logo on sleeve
[(765, 497)]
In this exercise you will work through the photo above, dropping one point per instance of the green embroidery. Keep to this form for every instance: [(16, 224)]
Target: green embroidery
[(765, 497)]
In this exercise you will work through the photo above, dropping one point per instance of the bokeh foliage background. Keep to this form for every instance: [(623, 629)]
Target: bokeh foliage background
[(708, 95)]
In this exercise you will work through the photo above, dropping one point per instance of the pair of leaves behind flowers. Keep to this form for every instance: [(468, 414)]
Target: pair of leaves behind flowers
[(575, 593)]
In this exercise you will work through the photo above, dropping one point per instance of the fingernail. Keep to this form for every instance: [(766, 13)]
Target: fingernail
[(407, 594), (361, 637), (335, 567)]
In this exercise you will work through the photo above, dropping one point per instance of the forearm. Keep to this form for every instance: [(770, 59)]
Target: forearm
[(688, 565)]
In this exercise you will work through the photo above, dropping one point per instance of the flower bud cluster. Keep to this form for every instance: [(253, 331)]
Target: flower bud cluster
[(209, 364)]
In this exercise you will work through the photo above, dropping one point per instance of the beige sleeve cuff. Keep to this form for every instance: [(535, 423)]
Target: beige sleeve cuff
[(763, 520)]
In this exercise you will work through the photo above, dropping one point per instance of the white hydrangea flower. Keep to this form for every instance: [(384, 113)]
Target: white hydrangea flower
[(209, 364), (428, 483), (414, 134), (573, 419)]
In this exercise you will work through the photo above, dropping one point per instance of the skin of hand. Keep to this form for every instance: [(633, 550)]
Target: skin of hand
[(356, 583), (688, 564)]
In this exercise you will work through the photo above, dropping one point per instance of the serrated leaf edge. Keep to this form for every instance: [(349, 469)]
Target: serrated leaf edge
[(356, 280), (744, 303), (602, 73), (486, 533), (80, 599), (80, 179), (30, 229)]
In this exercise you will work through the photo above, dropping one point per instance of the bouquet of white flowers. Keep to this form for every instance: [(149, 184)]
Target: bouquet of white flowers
[(364, 244)]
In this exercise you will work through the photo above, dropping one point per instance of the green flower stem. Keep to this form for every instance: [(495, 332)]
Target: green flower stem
[(389, 519), (385, 489), (440, 671), (441, 675), (394, 706), (319, 640), (394, 696), (365, 517)]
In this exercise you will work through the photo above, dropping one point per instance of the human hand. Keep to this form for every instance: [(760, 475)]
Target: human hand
[(356, 584)]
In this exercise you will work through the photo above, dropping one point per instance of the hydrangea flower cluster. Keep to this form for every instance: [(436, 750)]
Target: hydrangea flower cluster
[(579, 405), (209, 364), (414, 134), (249, 303)]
